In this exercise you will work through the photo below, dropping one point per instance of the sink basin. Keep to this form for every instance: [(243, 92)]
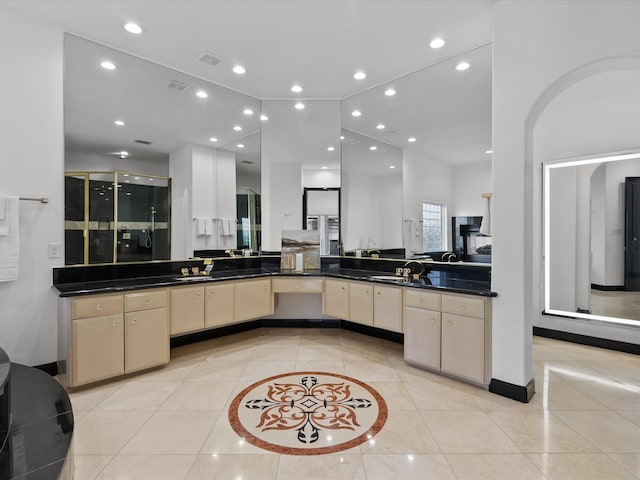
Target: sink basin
[(394, 278), (186, 278)]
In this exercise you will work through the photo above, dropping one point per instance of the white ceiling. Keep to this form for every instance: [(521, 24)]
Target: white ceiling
[(318, 44)]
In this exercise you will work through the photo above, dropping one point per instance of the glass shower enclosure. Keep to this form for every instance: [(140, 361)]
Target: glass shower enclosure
[(115, 217)]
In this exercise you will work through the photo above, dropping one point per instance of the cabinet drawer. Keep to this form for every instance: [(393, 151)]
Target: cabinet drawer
[(96, 306), (145, 300), (418, 299), (297, 285), (469, 307)]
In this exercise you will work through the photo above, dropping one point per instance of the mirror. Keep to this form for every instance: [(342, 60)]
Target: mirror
[(591, 266), (160, 112), (438, 124)]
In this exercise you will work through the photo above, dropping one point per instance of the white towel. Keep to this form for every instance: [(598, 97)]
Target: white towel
[(9, 243), (485, 225), (226, 226), (208, 226), (201, 228)]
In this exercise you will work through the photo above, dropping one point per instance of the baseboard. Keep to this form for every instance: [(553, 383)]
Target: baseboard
[(213, 333), (372, 331), (608, 288), (514, 392), (50, 368), (588, 340), (300, 323)]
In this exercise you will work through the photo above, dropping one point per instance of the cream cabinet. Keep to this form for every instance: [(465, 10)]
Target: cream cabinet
[(218, 305), (361, 302), (387, 308), (253, 299), (422, 328), (187, 309), (335, 301), (146, 329), (466, 337), (297, 285)]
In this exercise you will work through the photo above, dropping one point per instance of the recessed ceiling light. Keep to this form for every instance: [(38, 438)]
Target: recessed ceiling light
[(213, 139), (462, 66), (202, 94), (240, 145), (124, 153), (299, 105), (373, 147), (489, 151), (133, 28), (296, 89), (359, 75), (264, 118), (129, 194), (331, 149), (392, 166), (127, 181), (122, 157), (356, 113), (136, 178), (380, 126), (237, 128), (248, 111), (389, 92), (437, 43), (107, 65), (151, 179), (341, 137), (239, 69), (324, 167), (120, 123), (126, 175), (411, 139)]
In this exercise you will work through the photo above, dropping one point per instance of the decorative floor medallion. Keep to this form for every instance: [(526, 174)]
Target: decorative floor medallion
[(308, 413)]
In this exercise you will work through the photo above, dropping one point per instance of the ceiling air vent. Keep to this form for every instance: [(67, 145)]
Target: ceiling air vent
[(177, 86), (248, 162), (209, 58), (143, 142), (390, 131)]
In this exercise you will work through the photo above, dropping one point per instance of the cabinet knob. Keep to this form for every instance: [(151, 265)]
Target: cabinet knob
[(450, 322), (461, 307), (115, 324), (99, 308), (421, 300), (147, 301), (212, 293), (341, 288), (197, 294), (134, 321)]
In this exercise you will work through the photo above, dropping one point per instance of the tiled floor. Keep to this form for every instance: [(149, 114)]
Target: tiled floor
[(171, 424), (616, 304)]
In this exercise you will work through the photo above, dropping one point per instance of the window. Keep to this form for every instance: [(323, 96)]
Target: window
[(433, 227)]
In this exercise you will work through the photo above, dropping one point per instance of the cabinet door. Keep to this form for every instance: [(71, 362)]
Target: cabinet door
[(187, 309), (98, 348), (146, 340), (463, 346), (218, 305), (361, 303), (335, 301), (387, 308), (297, 285), (422, 337), (253, 299)]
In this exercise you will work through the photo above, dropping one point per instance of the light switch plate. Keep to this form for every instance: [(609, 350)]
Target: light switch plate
[(54, 250)]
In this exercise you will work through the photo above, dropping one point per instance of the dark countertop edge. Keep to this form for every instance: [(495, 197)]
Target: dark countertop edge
[(115, 286)]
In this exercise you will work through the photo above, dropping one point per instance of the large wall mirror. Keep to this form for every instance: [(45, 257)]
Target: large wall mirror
[(592, 238), (130, 116), (424, 138)]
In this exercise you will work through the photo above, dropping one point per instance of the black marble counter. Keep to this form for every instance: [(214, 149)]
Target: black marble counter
[(466, 281), (40, 435)]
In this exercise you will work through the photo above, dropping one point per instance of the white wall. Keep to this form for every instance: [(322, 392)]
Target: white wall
[(75, 161), (32, 164), (470, 181), (285, 205), (530, 69)]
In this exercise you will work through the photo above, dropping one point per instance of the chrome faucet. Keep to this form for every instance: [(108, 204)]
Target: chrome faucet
[(415, 272)]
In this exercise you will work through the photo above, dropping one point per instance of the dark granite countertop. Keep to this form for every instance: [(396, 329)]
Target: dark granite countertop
[(435, 280)]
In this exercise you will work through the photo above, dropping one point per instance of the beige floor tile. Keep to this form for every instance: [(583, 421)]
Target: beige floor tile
[(489, 402), (259, 369), (232, 353), (404, 432), (320, 353), (275, 353), (88, 397), (371, 371), (625, 370), (493, 466), (213, 371), (87, 467), (169, 432), (147, 467), (192, 352), (558, 396), (541, 432), (630, 461), (606, 430), (429, 395), (322, 467), (223, 440), (199, 396), (395, 395), (632, 415), (612, 394), (175, 371), (138, 396), (467, 432), (583, 466), (329, 366), (105, 432), (258, 467), (410, 466)]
